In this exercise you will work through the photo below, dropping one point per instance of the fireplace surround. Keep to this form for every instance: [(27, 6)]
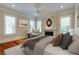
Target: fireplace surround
[(49, 33)]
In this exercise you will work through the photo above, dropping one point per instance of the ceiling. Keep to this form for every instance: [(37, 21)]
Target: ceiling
[(44, 8)]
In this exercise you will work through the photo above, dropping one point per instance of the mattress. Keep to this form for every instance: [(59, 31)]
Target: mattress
[(51, 50), (17, 50)]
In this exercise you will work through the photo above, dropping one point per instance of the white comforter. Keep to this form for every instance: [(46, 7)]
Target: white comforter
[(51, 50), (43, 47), (39, 47)]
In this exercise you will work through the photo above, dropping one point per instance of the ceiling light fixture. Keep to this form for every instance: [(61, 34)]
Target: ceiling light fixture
[(13, 5), (61, 6)]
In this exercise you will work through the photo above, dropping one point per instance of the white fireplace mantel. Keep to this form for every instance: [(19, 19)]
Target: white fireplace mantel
[(49, 29)]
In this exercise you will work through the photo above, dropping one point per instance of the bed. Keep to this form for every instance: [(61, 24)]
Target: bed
[(50, 50), (42, 47)]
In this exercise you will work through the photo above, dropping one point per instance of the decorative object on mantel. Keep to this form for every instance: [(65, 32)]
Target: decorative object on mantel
[(49, 22), (23, 23)]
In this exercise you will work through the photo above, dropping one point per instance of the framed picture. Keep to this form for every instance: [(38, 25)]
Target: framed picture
[(49, 22), (23, 23)]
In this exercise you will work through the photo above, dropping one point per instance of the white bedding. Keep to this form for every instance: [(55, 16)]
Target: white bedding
[(17, 50), (50, 50), (43, 47), (39, 47)]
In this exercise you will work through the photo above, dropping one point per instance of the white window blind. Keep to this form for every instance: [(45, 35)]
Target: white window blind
[(65, 24), (10, 27), (39, 25), (32, 25)]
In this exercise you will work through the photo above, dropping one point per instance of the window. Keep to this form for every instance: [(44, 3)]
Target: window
[(65, 24), (9, 25), (32, 25), (39, 25), (35, 25)]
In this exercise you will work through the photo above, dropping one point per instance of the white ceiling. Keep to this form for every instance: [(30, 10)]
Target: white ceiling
[(44, 8)]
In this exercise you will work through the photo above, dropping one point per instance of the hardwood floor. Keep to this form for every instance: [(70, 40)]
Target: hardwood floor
[(10, 44)]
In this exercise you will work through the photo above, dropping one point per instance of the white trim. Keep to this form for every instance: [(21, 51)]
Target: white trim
[(64, 17), (4, 24)]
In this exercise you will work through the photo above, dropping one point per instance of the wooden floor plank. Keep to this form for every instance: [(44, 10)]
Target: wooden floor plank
[(10, 44)]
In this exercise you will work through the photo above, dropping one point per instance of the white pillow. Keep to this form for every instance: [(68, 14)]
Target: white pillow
[(74, 47)]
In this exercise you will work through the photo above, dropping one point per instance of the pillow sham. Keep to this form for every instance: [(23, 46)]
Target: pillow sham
[(67, 39), (56, 40)]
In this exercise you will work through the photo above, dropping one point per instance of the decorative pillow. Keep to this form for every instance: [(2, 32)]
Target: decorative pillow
[(56, 41), (74, 47), (67, 39)]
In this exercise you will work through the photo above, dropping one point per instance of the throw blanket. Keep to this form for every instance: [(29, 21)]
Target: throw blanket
[(38, 48), (31, 43)]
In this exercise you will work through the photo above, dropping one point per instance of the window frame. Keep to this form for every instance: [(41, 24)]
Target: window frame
[(33, 25), (5, 24), (64, 17), (40, 26)]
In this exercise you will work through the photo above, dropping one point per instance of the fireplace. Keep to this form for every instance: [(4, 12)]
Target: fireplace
[(49, 33)]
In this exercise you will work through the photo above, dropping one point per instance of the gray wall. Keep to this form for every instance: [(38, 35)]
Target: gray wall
[(19, 31), (56, 20)]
